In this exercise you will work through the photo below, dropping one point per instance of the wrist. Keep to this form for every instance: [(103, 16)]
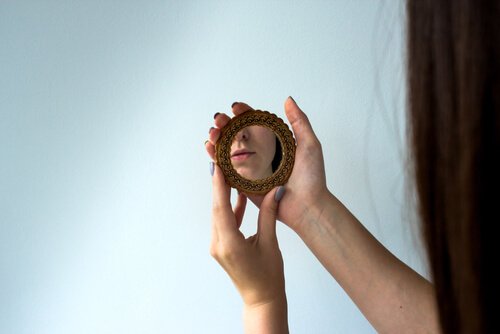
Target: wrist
[(316, 215), (267, 317), (279, 299)]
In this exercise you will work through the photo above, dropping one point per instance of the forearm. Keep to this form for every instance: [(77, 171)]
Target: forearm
[(392, 296), (268, 318)]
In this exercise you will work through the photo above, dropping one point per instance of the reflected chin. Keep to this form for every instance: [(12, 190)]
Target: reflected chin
[(250, 174), (247, 174)]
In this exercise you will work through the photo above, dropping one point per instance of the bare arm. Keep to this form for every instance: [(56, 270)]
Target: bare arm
[(393, 297), (268, 318)]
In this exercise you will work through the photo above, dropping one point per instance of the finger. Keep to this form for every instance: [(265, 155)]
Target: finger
[(240, 107), (210, 148), (222, 212), (221, 120), (301, 126), (213, 135), (267, 215), (239, 209)]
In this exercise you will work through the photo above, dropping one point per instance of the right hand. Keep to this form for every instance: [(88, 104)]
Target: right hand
[(254, 264), (306, 188)]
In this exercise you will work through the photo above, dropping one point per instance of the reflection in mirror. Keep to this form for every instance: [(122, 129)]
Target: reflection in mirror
[(255, 152)]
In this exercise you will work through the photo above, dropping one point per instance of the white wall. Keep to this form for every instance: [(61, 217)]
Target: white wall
[(105, 190)]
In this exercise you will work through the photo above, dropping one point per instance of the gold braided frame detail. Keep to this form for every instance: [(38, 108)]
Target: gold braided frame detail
[(223, 151)]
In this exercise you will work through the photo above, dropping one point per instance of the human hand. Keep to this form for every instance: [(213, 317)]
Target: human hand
[(306, 187), (254, 264)]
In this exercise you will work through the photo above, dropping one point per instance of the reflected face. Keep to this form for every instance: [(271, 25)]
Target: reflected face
[(252, 152)]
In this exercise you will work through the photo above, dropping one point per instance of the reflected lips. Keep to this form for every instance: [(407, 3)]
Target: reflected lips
[(239, 155)]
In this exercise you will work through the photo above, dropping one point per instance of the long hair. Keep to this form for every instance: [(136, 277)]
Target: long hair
[(454, 127)]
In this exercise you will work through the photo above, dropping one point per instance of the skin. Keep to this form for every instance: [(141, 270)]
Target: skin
[(393, 297), (260, 143), (254, 264)]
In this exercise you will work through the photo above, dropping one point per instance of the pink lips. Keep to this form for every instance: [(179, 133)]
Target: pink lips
[(239, 155)]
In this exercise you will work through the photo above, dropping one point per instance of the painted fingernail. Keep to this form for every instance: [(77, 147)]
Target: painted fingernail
[(210, 130), (279, 193), (216, 114), (206, 141), (234, 103), (291, 98), (212, 167)]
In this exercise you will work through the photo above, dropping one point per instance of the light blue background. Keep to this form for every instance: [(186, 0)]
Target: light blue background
[(105, 190)]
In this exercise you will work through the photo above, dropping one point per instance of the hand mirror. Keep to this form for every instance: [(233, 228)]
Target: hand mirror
[(256, 152)]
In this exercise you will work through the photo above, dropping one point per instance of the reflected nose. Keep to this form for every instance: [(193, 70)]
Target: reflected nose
[(243, 135)]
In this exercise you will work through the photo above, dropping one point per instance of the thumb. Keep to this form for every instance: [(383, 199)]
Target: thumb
[(266, 228), (302, 129)]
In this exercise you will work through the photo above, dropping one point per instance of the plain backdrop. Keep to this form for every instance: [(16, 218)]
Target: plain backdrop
[(105, 191)]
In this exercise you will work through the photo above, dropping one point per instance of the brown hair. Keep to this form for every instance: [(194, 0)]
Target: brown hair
[(454, 123)]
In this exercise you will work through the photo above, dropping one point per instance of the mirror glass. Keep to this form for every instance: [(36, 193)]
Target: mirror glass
[(256, 152)]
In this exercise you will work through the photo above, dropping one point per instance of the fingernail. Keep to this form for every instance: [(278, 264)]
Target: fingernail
[(234, 103), (210, 130), (206, 141), (279, 193), (216, 114), (291, 98), (212, 167)]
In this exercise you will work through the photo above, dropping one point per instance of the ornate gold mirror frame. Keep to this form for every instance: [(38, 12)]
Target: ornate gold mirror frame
[(223, 151)]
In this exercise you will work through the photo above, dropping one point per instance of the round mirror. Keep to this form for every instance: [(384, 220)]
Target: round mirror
[(256, 152)]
